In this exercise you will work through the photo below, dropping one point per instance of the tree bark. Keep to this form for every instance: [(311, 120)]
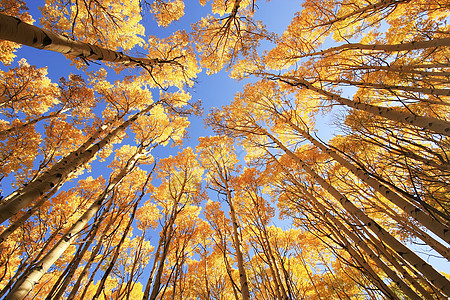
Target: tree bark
[(378, 86), (429, 123), (35, 274), (90, 261), (19, 222), (427, 270), (60, 171), (116, 253), (237, 245), (432, 224), (360, 243), (14, 30), (59, 288), (413, 45)]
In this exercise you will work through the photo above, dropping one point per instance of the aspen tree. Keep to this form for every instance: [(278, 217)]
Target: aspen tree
[(90, 260), (222, 236), (430, 123), (13, 29), (429, 222), (248, 127), (256, 214), (363, 195), (216, 156), (119, 245), (221, 39), (63, 281), (338, 229), (179, 190), (422, 266), (264, 102), (20, 291), (413, 45), (20, 199)]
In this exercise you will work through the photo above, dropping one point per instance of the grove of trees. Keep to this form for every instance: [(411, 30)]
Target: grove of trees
[(89, 211)]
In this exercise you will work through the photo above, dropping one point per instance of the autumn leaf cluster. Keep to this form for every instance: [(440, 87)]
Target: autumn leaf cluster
[(276, 203)]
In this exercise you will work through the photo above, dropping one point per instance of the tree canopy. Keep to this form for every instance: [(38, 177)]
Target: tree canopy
[(326, 176)]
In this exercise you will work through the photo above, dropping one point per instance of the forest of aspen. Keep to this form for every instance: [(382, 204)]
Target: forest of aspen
[(325, 174)]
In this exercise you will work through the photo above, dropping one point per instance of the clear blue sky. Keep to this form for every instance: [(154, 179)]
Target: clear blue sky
[(214, 91)]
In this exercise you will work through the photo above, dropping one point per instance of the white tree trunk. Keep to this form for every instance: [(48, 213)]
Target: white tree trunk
[(59, 172), (14, 30), (427, 270)]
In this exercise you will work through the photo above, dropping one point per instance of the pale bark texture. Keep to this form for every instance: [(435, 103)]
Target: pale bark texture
[(432, 224), (14, 30), (59, 288), (154, 282), (368, 270), (237, 245), (90, 261), (379, 86), (429, 123), (116, 253), (19, 222), (413, 45), (122, 240), (60, 171), (21, 290), (427, 270), (337, 227)]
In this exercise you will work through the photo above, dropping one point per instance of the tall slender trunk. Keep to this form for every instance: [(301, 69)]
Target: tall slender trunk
[(418, 232), (379, 86), (116, 253), (429, 123), (19, 222), (160, 269), (228, 268), (28, 263), (405, 69), (437, 214), (399, 264), (368, 270), (19, 291), (137, 258), (263, 237), (36, 273), (13, 29), (323, 211), (60, 171), (273, 264), (439, 162), (375, 257), (59, 288), (90, 261), (160, 257), (432, 224), (122, 240), (237, 245), (427, 270), (72, 265), (413, 45), (152, 272)]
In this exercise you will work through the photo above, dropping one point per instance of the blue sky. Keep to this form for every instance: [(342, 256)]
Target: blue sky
[(214, 91)]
